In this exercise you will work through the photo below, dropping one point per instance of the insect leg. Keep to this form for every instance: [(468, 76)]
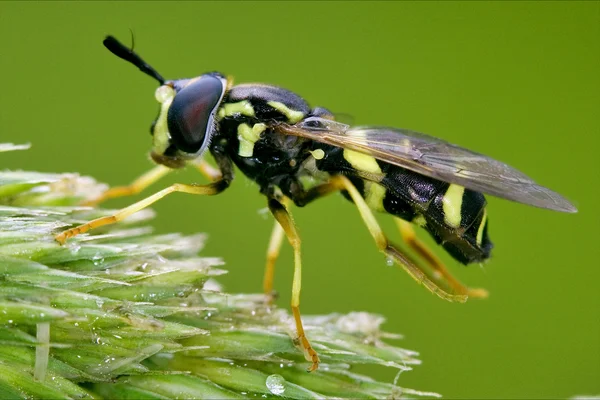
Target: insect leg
[(210, 189), (388, 248), (272, 255), (300, 198), (149, 178), (287, 224), (410, 238), (209, 172), (225, 165), (135, 187)]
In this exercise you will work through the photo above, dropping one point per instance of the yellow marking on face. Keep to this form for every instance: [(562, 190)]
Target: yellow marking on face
[(481, 227), (419, 220), (241, 107), (248, 136), (318, 154), (452, 205), (161, 137), (292, 115), (374, 195), (164, 93)]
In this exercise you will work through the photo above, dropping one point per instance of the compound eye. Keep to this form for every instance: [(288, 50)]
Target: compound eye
[(190, 117)]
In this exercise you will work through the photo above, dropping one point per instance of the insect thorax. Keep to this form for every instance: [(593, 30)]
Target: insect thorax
[(244, 118)]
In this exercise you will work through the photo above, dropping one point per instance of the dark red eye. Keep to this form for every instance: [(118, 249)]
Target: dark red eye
[(190, 116)]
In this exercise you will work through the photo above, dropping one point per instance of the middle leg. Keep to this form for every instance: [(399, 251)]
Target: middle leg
[(301, 198), (287, 224)]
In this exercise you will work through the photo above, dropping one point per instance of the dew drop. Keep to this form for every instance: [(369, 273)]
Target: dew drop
[(389, 262), (97, 259), (276, 384)]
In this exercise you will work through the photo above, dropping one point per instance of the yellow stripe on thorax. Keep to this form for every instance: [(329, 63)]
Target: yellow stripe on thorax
[(248, 136), (293, 116), (243, 107), (452, 205)]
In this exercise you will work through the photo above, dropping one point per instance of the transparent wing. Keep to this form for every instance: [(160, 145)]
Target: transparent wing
[(432, 157)]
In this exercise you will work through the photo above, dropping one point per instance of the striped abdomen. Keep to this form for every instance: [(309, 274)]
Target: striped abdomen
[(456, 217)]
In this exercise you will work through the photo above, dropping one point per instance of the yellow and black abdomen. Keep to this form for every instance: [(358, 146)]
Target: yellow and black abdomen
[(456, 217)]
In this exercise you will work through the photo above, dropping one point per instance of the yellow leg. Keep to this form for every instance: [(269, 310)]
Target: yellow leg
[(210, 189), (275, 243), (409, 236), (135, 187), (149, 178), (389, 249), (210, 172), (287, 224), (272, 254), (301, 198)]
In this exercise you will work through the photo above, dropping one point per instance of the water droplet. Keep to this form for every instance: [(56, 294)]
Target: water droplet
[(97, 259), (389, 262), (276, 384)]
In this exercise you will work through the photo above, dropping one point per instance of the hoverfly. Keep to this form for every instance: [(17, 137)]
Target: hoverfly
[(276, 139)]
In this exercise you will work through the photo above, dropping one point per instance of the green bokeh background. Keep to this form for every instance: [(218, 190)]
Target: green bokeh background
[(517, 81)]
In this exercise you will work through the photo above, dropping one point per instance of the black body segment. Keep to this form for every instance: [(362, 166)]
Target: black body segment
[(274, 160)]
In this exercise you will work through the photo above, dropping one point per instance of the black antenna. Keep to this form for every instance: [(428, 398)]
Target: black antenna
[(119, 50)]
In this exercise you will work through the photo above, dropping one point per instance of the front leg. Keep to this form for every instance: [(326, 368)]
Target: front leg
[(149, 178), (211, 189), (216, 187)]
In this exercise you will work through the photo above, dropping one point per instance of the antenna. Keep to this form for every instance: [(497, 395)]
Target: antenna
[(121, 51)]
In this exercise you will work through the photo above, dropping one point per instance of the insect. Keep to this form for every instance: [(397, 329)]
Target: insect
[(276, 139)]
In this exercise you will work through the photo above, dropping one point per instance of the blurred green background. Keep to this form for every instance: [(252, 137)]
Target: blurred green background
[(517, 81)]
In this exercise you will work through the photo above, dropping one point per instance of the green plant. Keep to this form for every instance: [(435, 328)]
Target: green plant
[(125, 313)]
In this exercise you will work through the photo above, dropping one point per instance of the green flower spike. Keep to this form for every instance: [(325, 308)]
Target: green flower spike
[(125, 313)]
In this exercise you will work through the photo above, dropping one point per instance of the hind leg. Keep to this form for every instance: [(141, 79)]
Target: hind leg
[(384, 245), (441, 272)]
